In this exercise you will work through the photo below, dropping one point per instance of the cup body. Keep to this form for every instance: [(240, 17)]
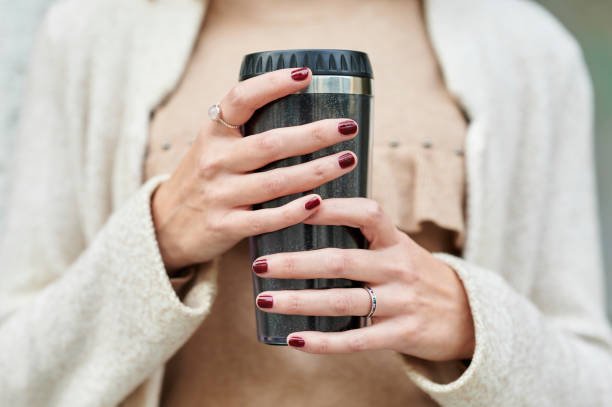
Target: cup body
[(328, 96)]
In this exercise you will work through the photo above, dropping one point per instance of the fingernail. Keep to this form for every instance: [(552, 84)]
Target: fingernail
[(265, 301), (312, 203), (297, 342), (347, 127), (299, 74), (346, 160), (260, 266)]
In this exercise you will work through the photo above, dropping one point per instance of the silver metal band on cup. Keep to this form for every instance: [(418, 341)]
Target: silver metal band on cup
[(352, 85)]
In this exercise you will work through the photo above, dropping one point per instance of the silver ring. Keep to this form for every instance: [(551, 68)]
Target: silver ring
[(214, 113), (372, 301)]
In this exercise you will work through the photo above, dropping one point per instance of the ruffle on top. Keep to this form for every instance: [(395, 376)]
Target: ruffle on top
[(421, 180)]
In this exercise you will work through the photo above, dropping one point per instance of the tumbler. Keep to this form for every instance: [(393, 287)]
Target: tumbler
[(341, 87)]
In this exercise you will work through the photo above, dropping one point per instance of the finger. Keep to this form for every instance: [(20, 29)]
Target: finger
[(372, 337), (255, 151), (263, 186), (330, 302), (245, 223), (249, 95), (365, 214), (352, 264)]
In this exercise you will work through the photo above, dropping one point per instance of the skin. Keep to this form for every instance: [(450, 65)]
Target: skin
[(204, 209)]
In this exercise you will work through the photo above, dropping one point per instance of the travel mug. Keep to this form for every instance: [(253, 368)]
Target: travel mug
[(341, 87)]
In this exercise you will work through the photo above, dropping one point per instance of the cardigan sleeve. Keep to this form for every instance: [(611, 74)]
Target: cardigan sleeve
[(82, 321), (553, 345)]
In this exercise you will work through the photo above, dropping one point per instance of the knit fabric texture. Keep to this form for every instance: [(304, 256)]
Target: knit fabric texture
[(87, 314)]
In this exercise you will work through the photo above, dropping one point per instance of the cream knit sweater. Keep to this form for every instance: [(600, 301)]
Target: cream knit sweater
[(87, 312)]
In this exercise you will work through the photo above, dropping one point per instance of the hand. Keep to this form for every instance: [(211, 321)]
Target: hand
[(205, 207), (422, 309)]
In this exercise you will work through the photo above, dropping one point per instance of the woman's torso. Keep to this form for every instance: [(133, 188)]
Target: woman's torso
[(417, 177)]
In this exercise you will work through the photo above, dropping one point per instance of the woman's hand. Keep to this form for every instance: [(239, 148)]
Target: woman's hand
[(205, 207), (422, 309)]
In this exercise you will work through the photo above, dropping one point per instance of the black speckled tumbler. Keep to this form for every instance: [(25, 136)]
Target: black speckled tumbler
[(341, 87)]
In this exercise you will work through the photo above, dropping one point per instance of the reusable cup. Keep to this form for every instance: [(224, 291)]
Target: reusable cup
[(341, 87)]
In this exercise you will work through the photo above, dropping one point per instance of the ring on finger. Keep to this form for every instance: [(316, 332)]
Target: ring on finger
[(215, 114), (372, 301)]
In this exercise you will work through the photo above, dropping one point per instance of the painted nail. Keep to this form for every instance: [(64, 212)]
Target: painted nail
[(265, 301), (347, 127), (299, 74), (260, 266), (297, 342), (312, 203), (346, 160)]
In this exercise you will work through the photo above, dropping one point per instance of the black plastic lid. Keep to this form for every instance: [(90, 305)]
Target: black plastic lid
[(320, 61)]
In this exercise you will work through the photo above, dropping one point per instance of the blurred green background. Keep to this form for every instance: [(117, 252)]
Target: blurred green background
[(590, 22)]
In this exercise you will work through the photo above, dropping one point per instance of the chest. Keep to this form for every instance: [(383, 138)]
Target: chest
[(412, 106)]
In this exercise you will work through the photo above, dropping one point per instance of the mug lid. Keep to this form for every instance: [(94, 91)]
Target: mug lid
[(320, 61)]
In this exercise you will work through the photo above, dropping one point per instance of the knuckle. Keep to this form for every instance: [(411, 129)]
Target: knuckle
[(411, 330), (211, 193), (337, 263), (267, 143), (274, 80), (216, 225), (410, 276), (394, 271), (237, 96), (319, 172), (407, 271), (357, 343), (287, 215), (209, 166), (341, 304), (318, 133), (294, 303), (206, 194), (405, 304), (289, 265), (322, 346), (275, 183), (255, 226), (373, 213)]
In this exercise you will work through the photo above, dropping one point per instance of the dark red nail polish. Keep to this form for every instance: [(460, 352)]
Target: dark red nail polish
[(312, 203), (346, 160), (260, 266), (299, 74), (297, 342), (347, 127), (265, 301)]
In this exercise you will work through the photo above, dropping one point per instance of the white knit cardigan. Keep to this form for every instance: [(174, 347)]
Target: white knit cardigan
[(87, 312)]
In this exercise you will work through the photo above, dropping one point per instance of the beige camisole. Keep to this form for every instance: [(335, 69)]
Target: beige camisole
[(418, 177)]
